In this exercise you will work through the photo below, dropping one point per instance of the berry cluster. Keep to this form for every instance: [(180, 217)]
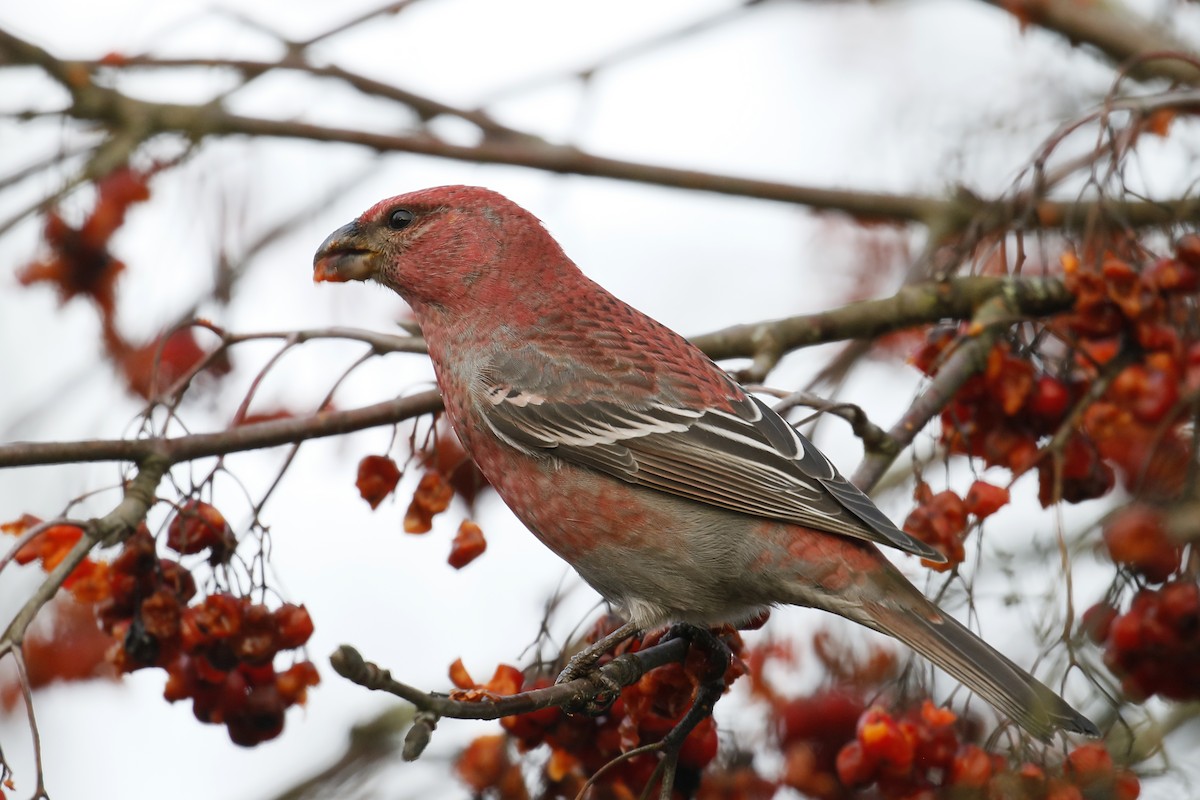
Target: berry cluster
[(1136, 424), (224, 651), (921, 755), (220, 652), (1001, 413), (80, 264), (448, 472), (1154, 647), (581, 745), (1122, 309), (942, 519), (812, 731)]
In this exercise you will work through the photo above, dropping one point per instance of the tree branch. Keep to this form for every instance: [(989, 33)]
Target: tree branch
[(247, 437), (138, 120), (969, 358), (955, 298), (139, 496), (916, 304), (624, 670), (1113, 30), (425, 107)]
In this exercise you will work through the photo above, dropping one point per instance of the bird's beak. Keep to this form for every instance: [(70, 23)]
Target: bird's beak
[(344, 256)]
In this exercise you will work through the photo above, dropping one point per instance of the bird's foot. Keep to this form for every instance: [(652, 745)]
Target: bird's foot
[(711, 687), (715, 649), (582, 663)]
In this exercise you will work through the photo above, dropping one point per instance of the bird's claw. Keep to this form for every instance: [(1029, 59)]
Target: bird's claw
[(581, 664), (599, 702)]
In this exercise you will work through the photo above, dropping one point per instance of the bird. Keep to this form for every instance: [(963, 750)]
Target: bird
[(679, 496)]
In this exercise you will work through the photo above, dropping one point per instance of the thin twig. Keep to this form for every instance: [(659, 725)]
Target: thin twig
[(27, 694)]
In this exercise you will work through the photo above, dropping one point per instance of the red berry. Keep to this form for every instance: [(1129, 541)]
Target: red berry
[(854, 766), (886, 742), (1137, 538), (1049, 399), (984, 499), (1187, 250), (832, 713), (293, 625), (1179, 607), (1058, 789), (971, 768), (197, 526), (1126, 786), (259, 719), (293, 682), (1089, 764), (467, 546), (377, 478)]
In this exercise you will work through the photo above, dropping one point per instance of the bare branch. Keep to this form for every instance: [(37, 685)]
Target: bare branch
[(426, 107), (138, 120), (139, 497), (390, 9), (624, 670), (200, 445), (1113, 30), (917, 304), (39, 792)]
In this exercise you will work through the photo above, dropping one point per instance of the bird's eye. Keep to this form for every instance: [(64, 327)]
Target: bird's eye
[(400, 219)]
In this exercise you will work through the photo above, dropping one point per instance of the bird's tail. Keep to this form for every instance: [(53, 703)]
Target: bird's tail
[(978, 666)]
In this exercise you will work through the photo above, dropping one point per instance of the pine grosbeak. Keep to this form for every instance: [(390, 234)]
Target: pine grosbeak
[(674, 493)]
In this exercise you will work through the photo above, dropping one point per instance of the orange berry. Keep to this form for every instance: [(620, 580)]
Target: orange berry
[(984, 499), (468, 545), (854, 766), (377, 478), (971, 768)]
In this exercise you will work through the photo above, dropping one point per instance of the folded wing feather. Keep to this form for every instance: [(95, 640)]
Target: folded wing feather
[(750, 460)]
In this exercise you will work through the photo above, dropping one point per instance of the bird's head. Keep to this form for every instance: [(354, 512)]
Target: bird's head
[(443, 247)]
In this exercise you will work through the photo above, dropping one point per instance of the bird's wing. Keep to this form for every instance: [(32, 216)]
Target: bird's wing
[(748, 459)]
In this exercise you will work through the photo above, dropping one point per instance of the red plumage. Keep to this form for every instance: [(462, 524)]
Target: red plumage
[(634, 457)]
